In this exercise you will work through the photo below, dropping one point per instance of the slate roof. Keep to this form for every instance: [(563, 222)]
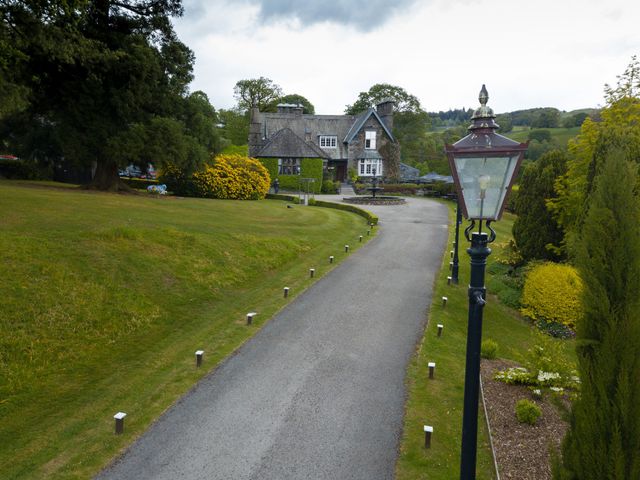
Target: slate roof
[(368, 155), (434, 177), (407, 172), (285, 143), (344, 127)]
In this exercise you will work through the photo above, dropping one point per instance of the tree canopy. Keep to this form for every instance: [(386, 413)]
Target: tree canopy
[(260, 92), (104, 82), (404, 102)]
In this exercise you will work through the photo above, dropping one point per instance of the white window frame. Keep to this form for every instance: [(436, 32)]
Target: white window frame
[(366, 166), (370, 139), (288, 166), (328, 141)]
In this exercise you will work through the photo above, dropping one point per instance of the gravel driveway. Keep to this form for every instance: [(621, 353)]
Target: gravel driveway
[(318, 393)]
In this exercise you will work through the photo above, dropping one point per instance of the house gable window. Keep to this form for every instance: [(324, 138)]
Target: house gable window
[(370, 167), (288, 166), (328, 141), (370, 140)]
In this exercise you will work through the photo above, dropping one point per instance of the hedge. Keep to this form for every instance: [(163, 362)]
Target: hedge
[(18, 170), (370, 217), (309, 168)]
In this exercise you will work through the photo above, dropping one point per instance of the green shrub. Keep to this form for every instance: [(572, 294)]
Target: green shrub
[(177, 180), (233, 177), (18, 170), (329, 186), (552, 294), (527, 411), (489, 349)]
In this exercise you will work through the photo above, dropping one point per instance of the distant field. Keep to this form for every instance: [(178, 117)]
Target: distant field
[(560, 136), (106, 297)]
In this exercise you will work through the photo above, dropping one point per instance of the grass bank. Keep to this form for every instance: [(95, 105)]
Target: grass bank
[(438, 402), (106, 298)]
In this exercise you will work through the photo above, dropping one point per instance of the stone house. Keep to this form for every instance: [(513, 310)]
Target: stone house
[(363, 142)]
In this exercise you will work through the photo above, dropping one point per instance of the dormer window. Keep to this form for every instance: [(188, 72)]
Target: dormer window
[(370, 140), (328, 141)]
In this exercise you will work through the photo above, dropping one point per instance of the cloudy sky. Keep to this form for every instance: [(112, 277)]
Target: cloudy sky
[(540, 53)]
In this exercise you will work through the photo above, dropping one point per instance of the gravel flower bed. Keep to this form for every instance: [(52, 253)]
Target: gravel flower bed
[(522, 451)]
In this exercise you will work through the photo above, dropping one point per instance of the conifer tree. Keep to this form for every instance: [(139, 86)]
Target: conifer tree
[(604, 437)]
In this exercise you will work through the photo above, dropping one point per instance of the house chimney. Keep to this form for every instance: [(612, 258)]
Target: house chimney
[(255, 134), (385, 111)]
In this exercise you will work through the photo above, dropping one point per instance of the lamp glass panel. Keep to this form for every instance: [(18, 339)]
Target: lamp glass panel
[(485, 182)]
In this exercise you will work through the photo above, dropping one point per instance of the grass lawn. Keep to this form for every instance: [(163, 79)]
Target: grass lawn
[(438, 402), (560, 136), (106, 298)]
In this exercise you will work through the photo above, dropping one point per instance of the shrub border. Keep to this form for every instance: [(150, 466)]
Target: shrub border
[(368, 216)]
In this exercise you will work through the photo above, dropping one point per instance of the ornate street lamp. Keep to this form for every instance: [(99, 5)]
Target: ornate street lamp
[(484, 166)]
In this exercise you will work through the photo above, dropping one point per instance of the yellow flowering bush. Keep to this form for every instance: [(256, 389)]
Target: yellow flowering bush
[(551, 295), (233, 177)]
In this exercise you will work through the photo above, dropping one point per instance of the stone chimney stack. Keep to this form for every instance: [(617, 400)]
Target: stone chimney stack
[(255, 132), (385, 111)]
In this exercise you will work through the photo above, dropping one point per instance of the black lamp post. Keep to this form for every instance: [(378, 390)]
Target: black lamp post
[(484, 166)]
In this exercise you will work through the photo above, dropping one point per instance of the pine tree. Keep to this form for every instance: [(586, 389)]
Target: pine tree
[(536, 233), (604, 438)]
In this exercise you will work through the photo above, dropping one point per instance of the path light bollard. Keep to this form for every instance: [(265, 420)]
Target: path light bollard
[(432, 369), (346, 248), (448, 280), (428, 430), (444, 301), (312, 272), (451, 252), (450, 266), (199, 355), (119, 422), (440, 327), (368, 232), (360, 238), (286, 292), (331, 259), (250, 316)]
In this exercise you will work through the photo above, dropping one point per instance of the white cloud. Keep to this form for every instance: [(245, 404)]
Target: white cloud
[(529, 54)]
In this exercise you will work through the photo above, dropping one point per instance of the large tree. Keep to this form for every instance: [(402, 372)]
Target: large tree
[(604, 436), (404, 102), (257, 92), (617, 130), (104, 78), (295, 98), (536, 233), (411, 122)]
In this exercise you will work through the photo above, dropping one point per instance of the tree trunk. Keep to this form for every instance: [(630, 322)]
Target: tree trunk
[(106, 178)]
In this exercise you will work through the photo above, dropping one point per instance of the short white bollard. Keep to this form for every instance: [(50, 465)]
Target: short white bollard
[(448, 280), (331, 259), (360, 238), (432, 369), (346, 248), (440, 327), (451, 253), (368, 232), (428, 430), (199, 355), (451, 266), (250, 316), (312, 272), (286, 292), (119, 422), (444, 301)]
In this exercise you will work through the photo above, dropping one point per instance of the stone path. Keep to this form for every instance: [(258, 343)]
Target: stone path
[(319, 392)]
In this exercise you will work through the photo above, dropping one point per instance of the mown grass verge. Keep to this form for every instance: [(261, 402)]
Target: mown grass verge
[(438, 402), (106, 298)]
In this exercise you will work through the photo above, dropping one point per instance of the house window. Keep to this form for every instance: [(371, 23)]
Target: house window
[(369, 168), (288, 166), (370, 140), (328, 141)]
